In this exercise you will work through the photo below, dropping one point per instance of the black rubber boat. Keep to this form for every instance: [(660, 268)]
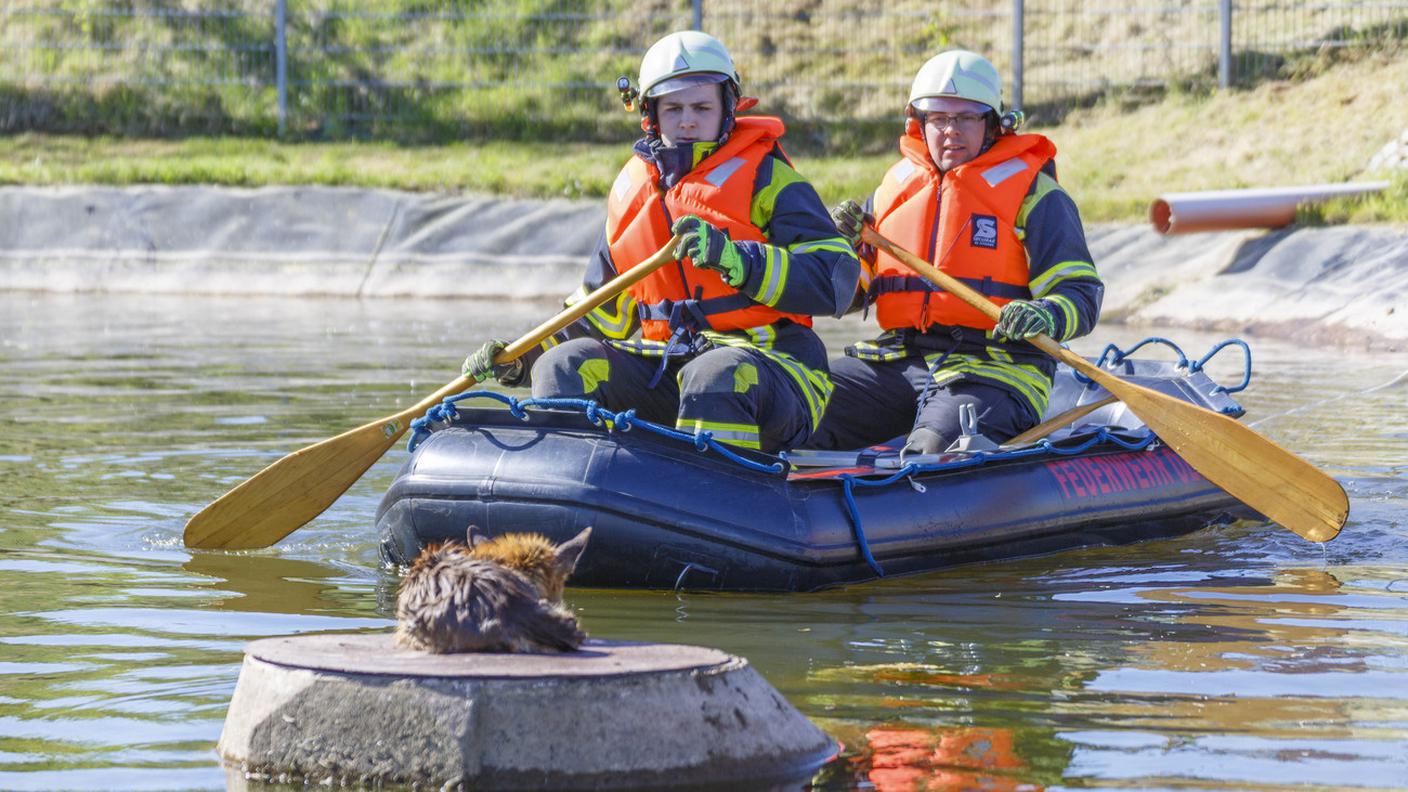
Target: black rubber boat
[(675, 511)]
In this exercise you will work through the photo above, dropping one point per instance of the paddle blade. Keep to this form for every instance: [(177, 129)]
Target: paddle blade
[(1251, 468), (284, 496)]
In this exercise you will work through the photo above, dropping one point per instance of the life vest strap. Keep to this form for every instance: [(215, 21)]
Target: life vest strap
[(889, 284), (695, 310)]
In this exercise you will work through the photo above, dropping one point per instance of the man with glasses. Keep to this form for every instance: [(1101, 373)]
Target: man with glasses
[(982, 204)]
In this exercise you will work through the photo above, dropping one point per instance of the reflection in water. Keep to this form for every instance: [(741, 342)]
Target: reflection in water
[(265, 583), (1239, 657), (900, 758)]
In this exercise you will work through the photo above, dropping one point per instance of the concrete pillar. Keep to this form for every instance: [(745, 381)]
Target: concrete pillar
[(353, 709)]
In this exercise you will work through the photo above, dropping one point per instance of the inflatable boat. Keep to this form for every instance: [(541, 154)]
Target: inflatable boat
[(675, 510)]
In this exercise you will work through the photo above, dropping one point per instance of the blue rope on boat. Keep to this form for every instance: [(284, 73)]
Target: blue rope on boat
[(1246, 364), (850, 481), (704, 441), (599, 416)]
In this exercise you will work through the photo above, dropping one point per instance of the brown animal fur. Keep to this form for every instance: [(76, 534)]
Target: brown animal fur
[(495, 595)]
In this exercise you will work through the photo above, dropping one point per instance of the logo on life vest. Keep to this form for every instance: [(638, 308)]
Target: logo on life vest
[(984, 231)]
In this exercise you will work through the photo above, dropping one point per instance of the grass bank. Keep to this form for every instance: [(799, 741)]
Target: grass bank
[(1115, 157)]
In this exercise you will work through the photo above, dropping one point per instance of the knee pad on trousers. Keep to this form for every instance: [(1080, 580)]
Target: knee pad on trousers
[(577, 368)]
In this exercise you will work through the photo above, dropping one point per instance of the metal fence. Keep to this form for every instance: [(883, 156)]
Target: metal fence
[(442, 68)]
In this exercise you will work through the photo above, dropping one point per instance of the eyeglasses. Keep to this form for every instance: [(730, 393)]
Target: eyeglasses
[(956, 120)]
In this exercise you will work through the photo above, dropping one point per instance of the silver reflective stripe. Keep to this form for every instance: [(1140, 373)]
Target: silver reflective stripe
[(903, 171), (719, 175), (622, 186), (772, 272), (738, 437), (1002, 171)]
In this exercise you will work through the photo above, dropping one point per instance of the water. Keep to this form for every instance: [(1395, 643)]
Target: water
[(1235, 658)]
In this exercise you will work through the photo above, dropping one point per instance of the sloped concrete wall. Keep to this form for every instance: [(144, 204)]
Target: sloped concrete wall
[(290, 241), (1341, 285)]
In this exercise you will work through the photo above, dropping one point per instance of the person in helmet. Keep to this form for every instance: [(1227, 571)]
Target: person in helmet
[(982, 204), (726, 344)]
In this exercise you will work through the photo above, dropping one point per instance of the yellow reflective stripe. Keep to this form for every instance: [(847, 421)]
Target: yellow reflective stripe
[(833, 244), (816, 386), (765, 199), (774, 275), (1068, 311), (741, 435), (1044, 184), (762, 336), (866, 350), (1026, 380), (999, 354), (1042, 285), (646, 347), (618, 323)]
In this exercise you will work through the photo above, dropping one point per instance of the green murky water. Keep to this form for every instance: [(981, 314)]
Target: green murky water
[(1235, 658)]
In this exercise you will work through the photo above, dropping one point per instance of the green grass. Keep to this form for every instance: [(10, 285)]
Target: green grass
[(1115, 157), (523, 170)]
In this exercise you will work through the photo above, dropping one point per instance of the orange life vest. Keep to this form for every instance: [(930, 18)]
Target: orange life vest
[(720, 190), (963, 221)]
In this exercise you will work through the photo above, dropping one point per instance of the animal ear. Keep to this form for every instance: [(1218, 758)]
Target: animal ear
[(569, 551), (474, 536)]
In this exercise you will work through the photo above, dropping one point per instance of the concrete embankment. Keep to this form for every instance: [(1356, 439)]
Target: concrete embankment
[(1337, 285)]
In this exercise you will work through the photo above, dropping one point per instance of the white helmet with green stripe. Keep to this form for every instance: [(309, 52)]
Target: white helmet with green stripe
[(958, 74), (682, 59)]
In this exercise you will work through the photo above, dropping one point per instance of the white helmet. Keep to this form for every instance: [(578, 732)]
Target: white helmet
[(682, 59), (957, 74)]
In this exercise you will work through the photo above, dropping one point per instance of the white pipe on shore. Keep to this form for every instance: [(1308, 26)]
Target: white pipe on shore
[(1221, 210)]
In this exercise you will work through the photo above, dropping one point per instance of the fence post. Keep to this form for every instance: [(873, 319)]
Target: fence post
[(281, 61), (1224, 50), (1018, 51), (698, 23)]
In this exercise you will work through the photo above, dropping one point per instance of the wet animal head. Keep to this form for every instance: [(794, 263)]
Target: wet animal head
[(547, 566)]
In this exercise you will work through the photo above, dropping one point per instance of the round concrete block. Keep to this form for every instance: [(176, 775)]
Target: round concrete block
[(353, 708)]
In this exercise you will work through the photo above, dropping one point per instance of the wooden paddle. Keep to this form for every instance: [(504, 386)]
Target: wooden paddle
[(1251, 468), (284, 496)]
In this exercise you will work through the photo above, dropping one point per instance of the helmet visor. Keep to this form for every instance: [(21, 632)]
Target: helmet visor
[(684, 81), (948, 104)]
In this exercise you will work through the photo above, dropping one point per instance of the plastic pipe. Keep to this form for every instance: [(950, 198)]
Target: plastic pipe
[(1221, 210)]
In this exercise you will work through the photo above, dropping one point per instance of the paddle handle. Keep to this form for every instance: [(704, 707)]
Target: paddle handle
[(969, 295), (577, 310)]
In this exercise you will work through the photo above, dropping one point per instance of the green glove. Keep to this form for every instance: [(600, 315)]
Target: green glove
[(1022, 319), (480, 365), (850, 218), (708, 247)]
